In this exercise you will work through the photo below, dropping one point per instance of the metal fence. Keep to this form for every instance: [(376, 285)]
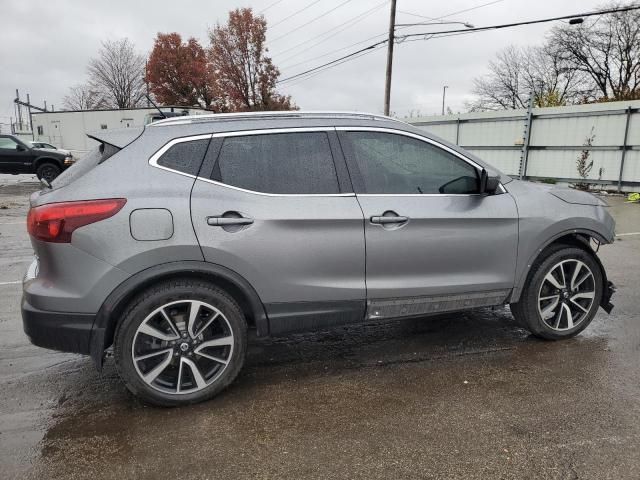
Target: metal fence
[(546, 142)]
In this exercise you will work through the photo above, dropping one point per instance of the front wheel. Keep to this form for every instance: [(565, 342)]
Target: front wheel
[(48, 171), (562, 294), (180, 342)]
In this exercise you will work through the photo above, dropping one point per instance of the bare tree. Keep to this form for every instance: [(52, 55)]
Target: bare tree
[(82, 97), (117, 74), (607, 50), (516, 73)]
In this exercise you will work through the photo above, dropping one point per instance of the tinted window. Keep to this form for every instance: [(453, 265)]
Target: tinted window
[(8, 143), (396, 164), (284, 163), (185, 157)]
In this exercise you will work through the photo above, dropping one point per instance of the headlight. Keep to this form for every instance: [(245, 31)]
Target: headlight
[(69, 160)]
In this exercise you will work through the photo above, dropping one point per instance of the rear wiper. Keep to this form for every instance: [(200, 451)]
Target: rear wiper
[(46, 183), (420, 190)]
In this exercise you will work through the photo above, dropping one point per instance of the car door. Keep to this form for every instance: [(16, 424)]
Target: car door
[(14, 157), (433, 242), (276, 207)]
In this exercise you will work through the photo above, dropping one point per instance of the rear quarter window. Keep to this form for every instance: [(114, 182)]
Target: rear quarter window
[(185, 157)]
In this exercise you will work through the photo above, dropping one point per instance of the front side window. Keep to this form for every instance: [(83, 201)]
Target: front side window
[(8, 143), (185, 157), (397, 164), (279, 163)]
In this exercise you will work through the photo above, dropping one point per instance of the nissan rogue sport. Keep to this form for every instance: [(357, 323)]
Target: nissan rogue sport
[(169, 242)]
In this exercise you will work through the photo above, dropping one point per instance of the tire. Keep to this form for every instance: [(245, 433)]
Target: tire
[(537, 310), (48, 170), (160, 320)]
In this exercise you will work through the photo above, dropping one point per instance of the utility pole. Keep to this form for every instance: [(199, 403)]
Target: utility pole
[(444, 94), (392, 28)]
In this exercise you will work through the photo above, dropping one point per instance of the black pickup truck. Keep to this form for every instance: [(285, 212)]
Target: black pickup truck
[(18, 157)]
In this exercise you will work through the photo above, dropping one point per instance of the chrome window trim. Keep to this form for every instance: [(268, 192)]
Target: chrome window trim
[(153, 161)]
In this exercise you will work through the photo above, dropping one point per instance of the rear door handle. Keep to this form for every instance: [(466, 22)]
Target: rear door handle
[(224, 221), (380, 220)]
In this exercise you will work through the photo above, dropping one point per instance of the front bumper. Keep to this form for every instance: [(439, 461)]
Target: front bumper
[(67, 332)]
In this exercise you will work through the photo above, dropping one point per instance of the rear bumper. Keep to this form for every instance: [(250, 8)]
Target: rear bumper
[(66, 332)]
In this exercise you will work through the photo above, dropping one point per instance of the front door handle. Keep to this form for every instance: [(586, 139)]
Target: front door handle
[(386, 220), (224, 221)]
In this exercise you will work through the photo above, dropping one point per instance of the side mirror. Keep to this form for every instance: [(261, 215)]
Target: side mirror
[(488, 184), (20, 148)]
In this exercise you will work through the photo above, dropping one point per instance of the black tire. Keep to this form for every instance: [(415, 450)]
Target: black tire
[(165, 293), (527, 312), (48, 171)]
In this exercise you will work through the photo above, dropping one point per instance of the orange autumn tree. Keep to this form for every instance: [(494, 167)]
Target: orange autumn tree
[(243, 72), (178, 73)]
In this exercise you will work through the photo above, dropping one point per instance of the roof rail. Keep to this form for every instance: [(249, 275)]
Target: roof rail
[(190, 119)]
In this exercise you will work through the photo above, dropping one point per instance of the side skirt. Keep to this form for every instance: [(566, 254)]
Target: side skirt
[(416, 306), (305, 316)]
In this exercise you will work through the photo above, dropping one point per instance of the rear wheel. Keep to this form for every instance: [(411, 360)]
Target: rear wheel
[(180, 342), (48, 171), (562, 294)]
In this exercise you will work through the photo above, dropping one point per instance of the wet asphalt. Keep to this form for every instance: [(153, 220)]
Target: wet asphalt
[(467, 395)]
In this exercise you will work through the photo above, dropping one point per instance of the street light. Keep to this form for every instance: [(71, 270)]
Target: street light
[(444, 93)]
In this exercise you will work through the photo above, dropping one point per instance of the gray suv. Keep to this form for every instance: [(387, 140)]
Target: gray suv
[(169, 242)]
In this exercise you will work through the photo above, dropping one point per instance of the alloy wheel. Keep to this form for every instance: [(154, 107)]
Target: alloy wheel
[(182, 347), (566, 295)]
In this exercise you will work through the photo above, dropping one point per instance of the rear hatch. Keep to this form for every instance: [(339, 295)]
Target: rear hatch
[(111, 142)]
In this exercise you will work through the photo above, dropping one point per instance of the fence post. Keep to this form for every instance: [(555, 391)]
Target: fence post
[(458, 131), (624, 148), (524, 156)]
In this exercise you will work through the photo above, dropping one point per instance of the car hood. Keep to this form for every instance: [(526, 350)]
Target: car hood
[(54, 150), (51, 152), (577, 197)]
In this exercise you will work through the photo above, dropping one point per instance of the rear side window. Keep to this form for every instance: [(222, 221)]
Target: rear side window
[(185, 157), (280, 163)]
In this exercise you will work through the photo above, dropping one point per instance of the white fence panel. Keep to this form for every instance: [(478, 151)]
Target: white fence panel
[(558, 136)]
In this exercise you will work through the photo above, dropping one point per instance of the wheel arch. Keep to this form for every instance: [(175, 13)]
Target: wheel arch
[(104, 326), (575, 237), (45, 159)]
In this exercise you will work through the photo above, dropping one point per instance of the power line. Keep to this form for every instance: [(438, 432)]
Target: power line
[(337, 29), (311, 21), (452, 14), (295, 13), (332, 62), (334, 51), (529, 22), (430, 35), (311, 75), (375, 36), (272, 5)]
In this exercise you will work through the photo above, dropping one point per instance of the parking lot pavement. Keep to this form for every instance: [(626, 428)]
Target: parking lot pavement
[(467, 395)]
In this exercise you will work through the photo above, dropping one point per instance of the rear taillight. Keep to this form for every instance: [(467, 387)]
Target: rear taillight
[(55, 222)]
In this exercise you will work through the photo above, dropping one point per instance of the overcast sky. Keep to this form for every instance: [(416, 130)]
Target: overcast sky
[(45, 45)]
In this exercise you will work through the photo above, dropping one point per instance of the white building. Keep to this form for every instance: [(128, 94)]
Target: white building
[(68, 129)]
